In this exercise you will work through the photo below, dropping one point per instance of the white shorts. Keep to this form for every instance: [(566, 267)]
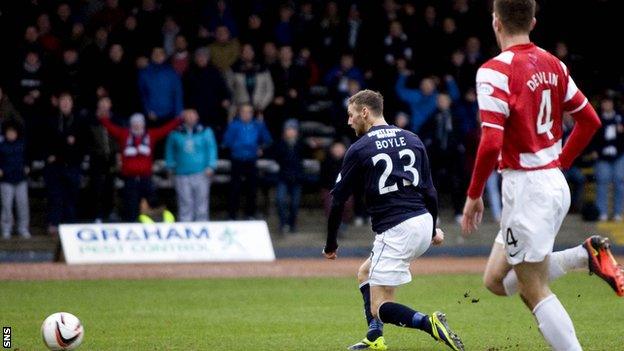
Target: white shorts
[(395, 248), (534, 206)]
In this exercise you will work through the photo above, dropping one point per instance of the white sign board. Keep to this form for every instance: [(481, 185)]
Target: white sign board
[(166, 242)]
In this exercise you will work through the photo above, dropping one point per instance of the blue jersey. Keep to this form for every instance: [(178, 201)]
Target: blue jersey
[(390, 166)]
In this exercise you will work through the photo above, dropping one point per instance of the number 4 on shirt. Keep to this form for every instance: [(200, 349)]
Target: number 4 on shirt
[(544, 118)]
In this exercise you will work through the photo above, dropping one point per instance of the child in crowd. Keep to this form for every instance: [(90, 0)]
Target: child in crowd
[(288, 154)]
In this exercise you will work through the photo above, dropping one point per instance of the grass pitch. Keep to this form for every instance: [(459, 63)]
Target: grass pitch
[(294, 314)]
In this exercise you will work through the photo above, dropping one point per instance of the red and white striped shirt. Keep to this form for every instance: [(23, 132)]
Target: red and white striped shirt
[(522, 94), (524, 91)]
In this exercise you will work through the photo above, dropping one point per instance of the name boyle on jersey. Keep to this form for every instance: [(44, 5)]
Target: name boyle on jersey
[(388, 137)]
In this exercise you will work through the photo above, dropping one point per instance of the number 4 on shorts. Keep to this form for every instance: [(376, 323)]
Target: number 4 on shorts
[(511, 240)]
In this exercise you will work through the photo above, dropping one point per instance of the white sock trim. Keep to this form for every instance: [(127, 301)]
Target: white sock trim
[(539, 304), (363, 283)]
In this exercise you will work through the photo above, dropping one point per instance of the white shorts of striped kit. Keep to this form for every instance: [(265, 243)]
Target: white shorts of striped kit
[(535, 204)]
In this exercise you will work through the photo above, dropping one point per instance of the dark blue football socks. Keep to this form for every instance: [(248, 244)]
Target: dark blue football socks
[(365, 290), (375, 326), (403, 316)]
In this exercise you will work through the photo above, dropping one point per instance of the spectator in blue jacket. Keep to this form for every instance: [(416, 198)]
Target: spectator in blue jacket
[(191, 153), (422, 101), (13, 182), (160, 88), (246, 139)]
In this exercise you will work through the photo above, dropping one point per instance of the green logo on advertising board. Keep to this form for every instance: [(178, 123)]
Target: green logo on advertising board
[(228, 239)]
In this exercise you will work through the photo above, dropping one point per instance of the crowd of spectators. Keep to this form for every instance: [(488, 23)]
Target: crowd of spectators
[(110, 80)]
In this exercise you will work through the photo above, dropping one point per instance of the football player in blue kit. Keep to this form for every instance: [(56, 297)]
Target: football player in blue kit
[(390, 166)]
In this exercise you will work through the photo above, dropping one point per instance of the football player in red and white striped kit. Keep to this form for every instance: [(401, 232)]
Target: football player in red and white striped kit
[(523, 93)]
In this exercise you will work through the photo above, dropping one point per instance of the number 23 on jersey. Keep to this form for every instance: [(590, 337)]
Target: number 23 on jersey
[(409, 168)]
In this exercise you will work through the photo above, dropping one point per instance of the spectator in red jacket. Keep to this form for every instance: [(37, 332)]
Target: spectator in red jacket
[(136, 144)]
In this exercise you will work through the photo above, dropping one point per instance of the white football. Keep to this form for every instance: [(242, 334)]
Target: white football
[(62, 331)]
